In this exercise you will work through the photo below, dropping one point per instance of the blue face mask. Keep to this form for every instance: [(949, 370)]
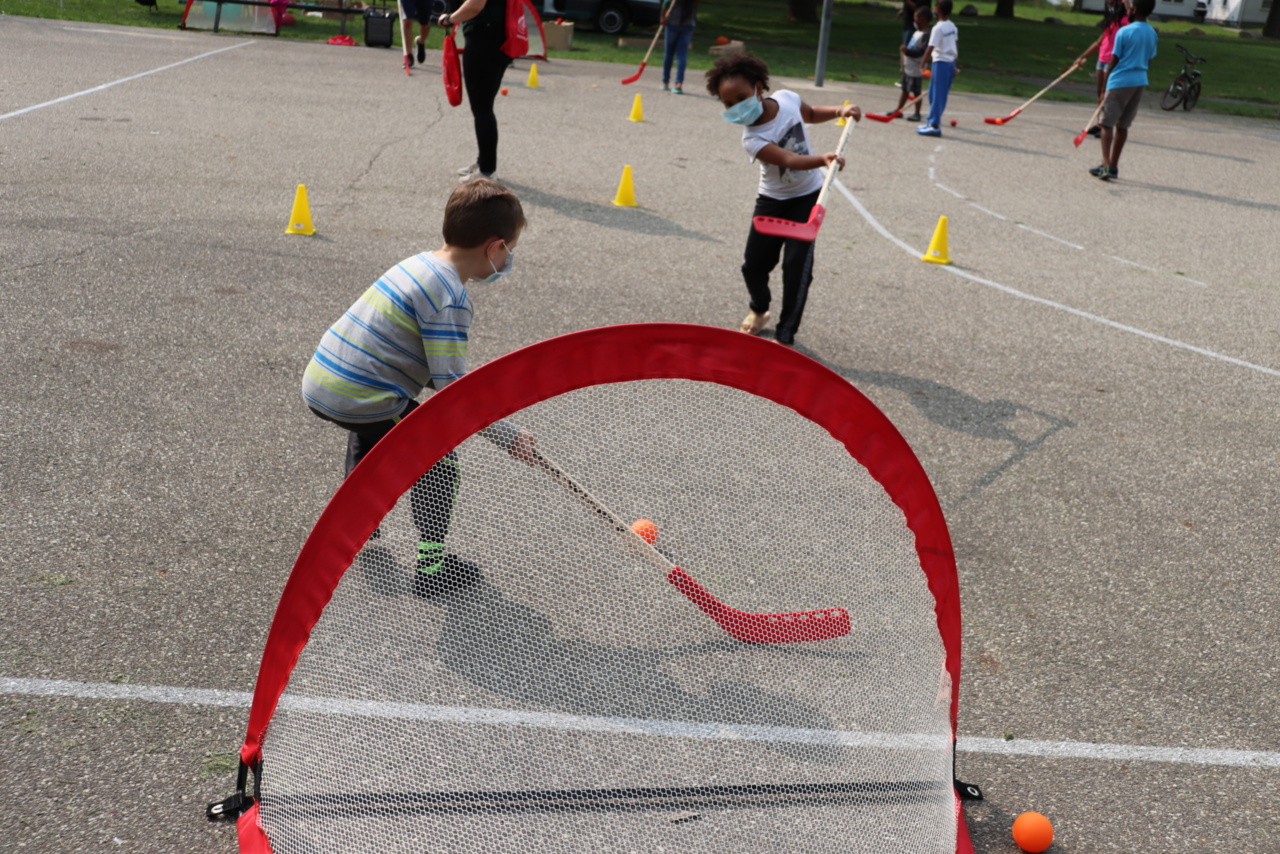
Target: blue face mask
[(744, 112), (506, 268)]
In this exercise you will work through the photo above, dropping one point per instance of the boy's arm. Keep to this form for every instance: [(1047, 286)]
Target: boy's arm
[(926, 56), (915, 52), (818, 115)]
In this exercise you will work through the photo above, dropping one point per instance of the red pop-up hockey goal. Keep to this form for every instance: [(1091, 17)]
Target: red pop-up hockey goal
[(476, 653)]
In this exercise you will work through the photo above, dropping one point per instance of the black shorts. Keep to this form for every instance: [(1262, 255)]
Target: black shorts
[(422, 11), (911, 85)]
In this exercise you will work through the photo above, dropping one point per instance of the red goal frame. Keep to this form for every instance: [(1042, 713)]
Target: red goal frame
[(553, 367)]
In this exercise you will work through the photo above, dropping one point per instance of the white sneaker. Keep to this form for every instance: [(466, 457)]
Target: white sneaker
[(474, 175), (467, 170)]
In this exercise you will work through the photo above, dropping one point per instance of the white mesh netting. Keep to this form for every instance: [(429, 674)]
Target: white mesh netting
[(547, 689)]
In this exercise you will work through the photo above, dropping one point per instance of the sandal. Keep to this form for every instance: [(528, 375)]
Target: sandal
[(754, 322)]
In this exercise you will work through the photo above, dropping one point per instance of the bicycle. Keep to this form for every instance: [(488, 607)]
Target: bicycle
[(1185, 88)]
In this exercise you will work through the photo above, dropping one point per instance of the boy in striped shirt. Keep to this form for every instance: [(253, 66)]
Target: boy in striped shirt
[(409, 331)]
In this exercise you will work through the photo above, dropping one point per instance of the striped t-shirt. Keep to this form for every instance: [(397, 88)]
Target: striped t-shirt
[(408, 331)]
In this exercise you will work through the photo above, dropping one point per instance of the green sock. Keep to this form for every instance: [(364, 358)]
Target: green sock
[(430, 557)]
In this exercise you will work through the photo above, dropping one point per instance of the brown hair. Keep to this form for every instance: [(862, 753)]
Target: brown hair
[(751, 68), (481, 209)]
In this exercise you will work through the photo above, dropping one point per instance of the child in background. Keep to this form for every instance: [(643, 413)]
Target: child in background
[(774, 133), (941, 54), (912, 72), (1135, 47), (409, 331), (1115, 16), (679, 17)]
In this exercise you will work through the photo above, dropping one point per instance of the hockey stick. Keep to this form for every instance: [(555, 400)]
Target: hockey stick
[(1034, 98), (634, 77), (896, 114), (1080, 136), (745, 626), (807, 231)]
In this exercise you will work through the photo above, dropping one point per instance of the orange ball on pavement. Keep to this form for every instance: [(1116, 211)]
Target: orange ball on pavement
[(1032, 832), (646, 530), (504, 90)]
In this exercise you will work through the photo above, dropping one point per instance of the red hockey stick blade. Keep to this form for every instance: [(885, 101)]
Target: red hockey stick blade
[(807, 231), (1003, 119), (634, 77), (747, 627), (1080, 137), (876, 117)]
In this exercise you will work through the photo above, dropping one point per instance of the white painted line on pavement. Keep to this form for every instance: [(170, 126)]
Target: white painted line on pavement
[(949, 190), (985, 211), (641, 726), (1050, 236), (121, 80), (1134, 264), (866, 214), (932, 174)]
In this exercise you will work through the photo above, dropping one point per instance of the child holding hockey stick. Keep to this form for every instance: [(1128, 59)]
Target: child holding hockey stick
[(912, 71), (409, 331), (774, 133)]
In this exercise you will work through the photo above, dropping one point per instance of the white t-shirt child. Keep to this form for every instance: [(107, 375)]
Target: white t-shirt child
[(786, 130), (944, 41)]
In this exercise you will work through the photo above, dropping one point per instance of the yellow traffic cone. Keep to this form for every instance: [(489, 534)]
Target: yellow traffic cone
[(937, 253), (637, 110), (300, 218), (533, 76), (842, 121), (626, 197)]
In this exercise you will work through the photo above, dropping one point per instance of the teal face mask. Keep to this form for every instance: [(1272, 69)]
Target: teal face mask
[(506, 268), (744, 112)]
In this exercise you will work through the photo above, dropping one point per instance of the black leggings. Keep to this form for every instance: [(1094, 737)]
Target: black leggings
[(761, 257), (483, 64), (431, 498)]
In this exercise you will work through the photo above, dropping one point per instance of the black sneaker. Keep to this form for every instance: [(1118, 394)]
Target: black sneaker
[(422, 51), (382, 574), (1095, 131), (452, 573), (1103, 172)]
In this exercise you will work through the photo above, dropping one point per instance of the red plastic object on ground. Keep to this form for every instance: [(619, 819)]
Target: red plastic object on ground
[(343, 40)]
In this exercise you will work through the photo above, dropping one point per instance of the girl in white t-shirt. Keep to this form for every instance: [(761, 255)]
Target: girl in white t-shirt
[(774, 133)]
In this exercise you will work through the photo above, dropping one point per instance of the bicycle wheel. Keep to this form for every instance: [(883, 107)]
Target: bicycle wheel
[(1174, 94), (1192, 95)]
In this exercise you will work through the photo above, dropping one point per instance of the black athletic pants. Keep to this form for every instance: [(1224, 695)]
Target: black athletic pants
[(761, 257), (431, 498), (483, 64)]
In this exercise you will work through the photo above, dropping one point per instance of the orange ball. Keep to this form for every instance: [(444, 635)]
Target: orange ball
[(504, 90), (646, 530), (1032, 832), (928, 73), (722, 40)]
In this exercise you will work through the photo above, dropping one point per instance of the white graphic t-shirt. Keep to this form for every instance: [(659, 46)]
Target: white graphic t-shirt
[(787, 130)]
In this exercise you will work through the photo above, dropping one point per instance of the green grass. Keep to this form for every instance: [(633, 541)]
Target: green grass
[(1013, 57)]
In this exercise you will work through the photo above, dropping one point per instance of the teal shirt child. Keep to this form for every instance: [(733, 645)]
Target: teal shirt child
[(1134, 49)]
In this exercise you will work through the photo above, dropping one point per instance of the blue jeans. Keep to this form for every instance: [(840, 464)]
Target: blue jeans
[(939, 87), (678, 39)]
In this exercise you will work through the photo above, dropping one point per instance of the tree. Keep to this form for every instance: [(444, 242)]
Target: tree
[(1271, 29), (805, 11)]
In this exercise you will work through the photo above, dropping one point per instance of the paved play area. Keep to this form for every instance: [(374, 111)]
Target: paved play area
[(1092, 387)]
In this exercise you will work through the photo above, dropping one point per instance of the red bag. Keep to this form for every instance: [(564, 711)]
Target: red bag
[(517, 43), (451, 71)]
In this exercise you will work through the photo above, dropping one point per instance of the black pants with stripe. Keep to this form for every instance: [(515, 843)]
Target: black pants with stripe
[(431, 498), (761, 256)]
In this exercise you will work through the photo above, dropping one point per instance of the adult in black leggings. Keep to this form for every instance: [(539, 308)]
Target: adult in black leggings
[(483, 64)]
